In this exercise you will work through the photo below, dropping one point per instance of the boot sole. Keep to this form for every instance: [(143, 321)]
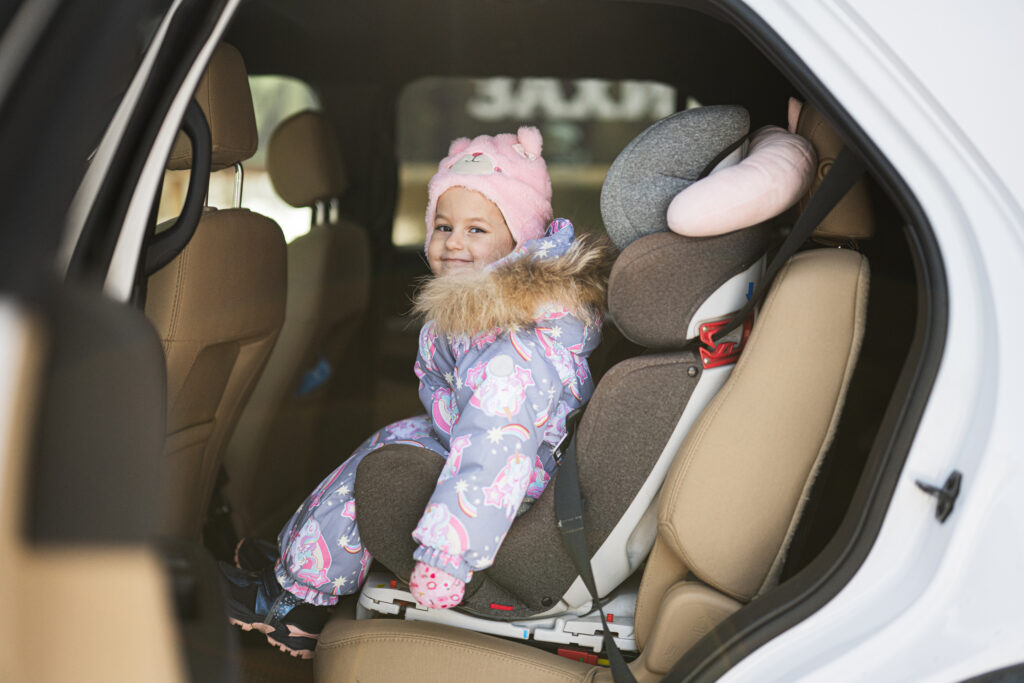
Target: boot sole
[(267, 630)]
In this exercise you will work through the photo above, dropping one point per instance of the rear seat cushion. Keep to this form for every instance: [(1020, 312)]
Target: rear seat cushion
[(391, 650)]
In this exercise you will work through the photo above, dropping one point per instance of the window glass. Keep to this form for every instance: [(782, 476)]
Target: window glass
[(585, 123), (275, 98)]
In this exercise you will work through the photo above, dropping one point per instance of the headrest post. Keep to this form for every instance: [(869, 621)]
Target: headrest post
[(239, 176), (319, 212), (334, 211)]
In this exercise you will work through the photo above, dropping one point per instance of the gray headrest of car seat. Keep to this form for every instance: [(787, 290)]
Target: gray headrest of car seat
[(660, 163), (224, 96), (304, 162), (659, 281)]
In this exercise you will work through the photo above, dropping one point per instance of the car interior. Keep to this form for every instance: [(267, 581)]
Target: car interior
[(276, 292)]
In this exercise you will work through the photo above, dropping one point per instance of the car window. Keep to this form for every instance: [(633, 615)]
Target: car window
[(275, 98), (585, 123)]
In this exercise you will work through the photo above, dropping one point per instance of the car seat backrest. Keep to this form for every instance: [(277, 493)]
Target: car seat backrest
[(218, 306), (328, 294)]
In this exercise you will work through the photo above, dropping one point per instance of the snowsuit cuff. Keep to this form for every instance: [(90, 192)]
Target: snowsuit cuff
[(455, 565)]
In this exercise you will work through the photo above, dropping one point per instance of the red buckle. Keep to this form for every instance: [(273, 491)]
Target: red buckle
[(725, 352), (578, 655)]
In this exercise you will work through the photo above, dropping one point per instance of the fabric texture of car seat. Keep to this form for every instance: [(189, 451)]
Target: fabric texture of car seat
[(218, 307), (306, 383), (661, 162), (659, 281)]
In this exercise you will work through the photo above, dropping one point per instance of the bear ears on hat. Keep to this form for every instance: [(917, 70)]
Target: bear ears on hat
[(529, 143)]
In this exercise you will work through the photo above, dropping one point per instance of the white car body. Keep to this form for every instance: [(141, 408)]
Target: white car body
[(930, 85)]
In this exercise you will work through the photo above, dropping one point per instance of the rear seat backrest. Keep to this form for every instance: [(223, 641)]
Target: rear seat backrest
[(328, 294), (218, 306)]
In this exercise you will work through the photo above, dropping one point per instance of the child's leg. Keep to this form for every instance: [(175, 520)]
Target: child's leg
[(322, 555)]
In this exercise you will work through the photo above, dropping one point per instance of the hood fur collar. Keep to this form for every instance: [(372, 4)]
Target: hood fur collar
[(514, 294)]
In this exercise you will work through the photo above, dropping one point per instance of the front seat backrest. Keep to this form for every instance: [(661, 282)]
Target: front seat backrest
[(300, 390), (218, 306)]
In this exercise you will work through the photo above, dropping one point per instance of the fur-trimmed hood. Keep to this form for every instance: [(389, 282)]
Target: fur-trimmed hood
[(558, 272)]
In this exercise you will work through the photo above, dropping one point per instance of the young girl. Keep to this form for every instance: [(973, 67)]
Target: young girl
[(512, 314)]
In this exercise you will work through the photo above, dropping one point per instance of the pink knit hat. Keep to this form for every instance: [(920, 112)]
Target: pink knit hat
[(508, 170)]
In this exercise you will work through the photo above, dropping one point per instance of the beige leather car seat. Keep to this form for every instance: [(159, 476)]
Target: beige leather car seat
[(277, 451), (726, 512), (218, 306)]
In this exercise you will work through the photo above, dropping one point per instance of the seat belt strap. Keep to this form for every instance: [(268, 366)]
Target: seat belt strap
[(569, 511), (845, 171)]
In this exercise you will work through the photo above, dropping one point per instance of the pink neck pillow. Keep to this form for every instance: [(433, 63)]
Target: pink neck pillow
[(776, 172)]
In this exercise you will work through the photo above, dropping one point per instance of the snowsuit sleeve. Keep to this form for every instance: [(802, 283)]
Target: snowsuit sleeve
[(493, 456)]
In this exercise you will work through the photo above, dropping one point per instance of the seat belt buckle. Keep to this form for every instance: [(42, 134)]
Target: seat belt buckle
[(726, 351), (572, 421)]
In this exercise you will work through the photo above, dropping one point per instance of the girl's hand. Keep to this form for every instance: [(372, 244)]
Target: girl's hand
[(435, 588)]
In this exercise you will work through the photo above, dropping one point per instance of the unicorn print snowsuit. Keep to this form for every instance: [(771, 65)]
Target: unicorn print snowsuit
[(501, 362)]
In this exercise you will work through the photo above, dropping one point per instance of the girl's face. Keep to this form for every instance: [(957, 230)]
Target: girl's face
[(469, 233)]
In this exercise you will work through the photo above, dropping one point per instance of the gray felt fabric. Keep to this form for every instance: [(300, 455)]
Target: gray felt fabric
[(626, 426), (661, 162), (659, 281), (392, 488)]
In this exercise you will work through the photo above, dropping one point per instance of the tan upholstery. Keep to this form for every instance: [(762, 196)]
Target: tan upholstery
[(735, 490), (852, 218), (730, 502), (65, 602), (328, 294), (218, 307), (388, 651), (303, 161), (224, 96)]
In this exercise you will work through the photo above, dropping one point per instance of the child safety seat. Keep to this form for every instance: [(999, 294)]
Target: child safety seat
[(665, 292), (721, 533)]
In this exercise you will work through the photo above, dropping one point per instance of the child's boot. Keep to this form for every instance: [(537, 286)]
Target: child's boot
[(257, 601), (254, 554)]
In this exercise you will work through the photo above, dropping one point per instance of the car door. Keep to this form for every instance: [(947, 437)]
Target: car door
[(91, 97)]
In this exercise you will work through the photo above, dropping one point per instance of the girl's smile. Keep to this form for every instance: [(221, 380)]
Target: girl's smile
[(469, 233)]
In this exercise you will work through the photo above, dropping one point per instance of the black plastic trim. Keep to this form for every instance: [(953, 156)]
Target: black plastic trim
[(162, 248), (1010, 674), (187, 33), (823, 578)]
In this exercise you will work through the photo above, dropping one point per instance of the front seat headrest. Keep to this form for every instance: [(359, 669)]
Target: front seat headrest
[(224, 96), (304, 161), (661, 162)]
